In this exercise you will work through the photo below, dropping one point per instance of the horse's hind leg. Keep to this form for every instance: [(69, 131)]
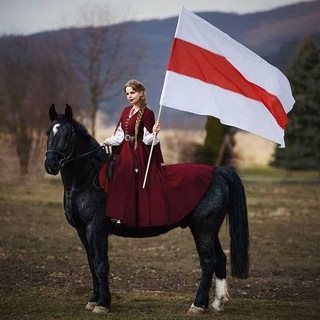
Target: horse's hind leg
[(208, 259), (221, 295)]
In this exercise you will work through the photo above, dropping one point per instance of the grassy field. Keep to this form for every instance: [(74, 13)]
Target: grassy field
[(44, 273)]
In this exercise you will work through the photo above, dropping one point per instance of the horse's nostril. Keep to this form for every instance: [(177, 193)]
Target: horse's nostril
[(51, 167)]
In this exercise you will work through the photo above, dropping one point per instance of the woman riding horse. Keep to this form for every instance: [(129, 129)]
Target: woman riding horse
[(78, 157)]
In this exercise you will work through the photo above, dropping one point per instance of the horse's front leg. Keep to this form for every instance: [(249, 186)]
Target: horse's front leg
[(90, 256), (98, 246)]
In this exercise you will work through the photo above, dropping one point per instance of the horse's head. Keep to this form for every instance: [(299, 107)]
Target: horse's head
[(61, 139)]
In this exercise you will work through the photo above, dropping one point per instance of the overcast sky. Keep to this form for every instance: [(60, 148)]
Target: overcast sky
[(32, 16)]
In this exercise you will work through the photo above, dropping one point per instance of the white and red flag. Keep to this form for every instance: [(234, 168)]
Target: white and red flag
[(210, 73)]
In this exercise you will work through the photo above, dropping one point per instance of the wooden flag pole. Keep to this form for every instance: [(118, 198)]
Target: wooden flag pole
[(151, 151)]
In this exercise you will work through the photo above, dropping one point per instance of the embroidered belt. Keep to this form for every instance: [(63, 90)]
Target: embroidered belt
[(127, 137)]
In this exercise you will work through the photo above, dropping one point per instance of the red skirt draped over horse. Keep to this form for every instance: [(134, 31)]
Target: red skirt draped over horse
[(171, 191)]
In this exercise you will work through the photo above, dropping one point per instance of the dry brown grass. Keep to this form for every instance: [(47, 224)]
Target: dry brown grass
[(44, 273)]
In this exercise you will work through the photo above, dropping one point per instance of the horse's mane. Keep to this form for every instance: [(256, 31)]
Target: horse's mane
[(78, 127)]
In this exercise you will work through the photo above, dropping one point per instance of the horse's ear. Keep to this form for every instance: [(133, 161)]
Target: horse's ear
[(52, 113), (68, 112)]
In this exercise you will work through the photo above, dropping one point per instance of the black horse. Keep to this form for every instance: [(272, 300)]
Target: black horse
[(78, 157)]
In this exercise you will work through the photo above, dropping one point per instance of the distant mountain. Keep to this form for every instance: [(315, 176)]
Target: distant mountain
[(272, 34)]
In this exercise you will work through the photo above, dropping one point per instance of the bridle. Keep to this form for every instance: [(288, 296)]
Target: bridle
[(67, 156)]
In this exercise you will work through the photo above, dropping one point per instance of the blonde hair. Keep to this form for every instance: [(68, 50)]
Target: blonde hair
[(138, 87)]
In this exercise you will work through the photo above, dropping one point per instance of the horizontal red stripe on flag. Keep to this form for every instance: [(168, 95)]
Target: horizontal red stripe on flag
[(196, 62)]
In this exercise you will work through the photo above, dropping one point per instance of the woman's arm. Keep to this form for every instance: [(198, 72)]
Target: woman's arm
[(116, 138), (150, 126), (148, 137)]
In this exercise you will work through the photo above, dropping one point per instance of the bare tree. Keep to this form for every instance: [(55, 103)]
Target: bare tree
[(16, 71), (53, 82), (101, 56), (33, 75)]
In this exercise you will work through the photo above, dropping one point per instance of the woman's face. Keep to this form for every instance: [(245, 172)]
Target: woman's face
[(133, 96)]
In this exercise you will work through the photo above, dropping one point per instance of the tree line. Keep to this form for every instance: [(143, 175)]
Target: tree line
[(79, 69)]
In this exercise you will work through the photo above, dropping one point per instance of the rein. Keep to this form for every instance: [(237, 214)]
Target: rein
[(79, 156)]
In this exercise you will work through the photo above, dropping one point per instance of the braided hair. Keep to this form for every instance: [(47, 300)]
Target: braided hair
[(138, 87)]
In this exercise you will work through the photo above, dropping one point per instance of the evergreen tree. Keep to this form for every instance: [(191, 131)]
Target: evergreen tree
[(215, 132), (302, 134)]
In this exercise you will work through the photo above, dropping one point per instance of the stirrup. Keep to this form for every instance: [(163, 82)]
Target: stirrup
[(117, 222)]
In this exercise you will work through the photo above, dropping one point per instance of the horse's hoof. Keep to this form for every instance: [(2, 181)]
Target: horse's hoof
[(195, 310), (100, 310), (218, 304), (91, 305)]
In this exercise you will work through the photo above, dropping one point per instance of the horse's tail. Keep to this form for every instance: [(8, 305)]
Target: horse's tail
[(238, 224)]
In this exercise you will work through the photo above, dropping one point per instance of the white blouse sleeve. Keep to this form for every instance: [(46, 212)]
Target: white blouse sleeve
[(148, 137), (116, 138)]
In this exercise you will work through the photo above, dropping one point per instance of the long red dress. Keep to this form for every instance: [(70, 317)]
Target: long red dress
[(171, 191)]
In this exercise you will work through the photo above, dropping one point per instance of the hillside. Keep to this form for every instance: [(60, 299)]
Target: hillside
[(272, 34), (266, 33)]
